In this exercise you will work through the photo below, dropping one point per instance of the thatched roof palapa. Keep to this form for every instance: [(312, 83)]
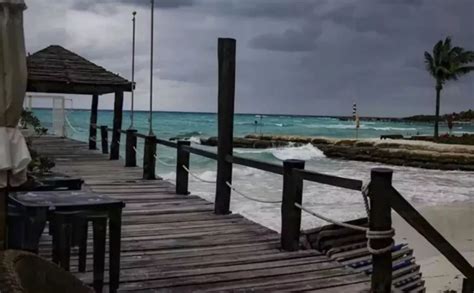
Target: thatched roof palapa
[(58, 70)]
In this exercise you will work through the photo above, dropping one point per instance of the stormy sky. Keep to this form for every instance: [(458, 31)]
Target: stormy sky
[(311, 57)]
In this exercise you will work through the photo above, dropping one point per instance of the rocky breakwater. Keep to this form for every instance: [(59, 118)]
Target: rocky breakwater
[(394, 152)]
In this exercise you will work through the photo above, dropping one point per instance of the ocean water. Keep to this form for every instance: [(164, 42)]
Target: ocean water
[(421, 187)]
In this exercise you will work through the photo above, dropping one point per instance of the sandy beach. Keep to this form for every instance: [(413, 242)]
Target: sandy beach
[(456, 223)]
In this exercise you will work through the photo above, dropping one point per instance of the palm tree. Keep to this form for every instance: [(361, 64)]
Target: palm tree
[(447, 63)]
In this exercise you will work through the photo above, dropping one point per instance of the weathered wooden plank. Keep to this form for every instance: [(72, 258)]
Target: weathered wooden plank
[(177, 243)]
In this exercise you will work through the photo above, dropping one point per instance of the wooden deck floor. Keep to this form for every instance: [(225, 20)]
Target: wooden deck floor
[(176, 243)]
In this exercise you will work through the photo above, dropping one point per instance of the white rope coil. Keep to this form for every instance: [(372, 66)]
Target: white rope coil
[(251, 198), (196, 176), (369, 234), (93, 139)]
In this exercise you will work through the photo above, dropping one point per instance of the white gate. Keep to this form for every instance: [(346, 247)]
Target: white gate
[(57, 105)]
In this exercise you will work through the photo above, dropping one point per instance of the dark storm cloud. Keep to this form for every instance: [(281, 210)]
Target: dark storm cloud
[(281, 9), (293, 56)]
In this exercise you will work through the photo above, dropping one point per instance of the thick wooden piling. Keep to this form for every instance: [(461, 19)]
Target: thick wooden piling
[(182, 176), (93, 123), (130, 153), (104, 139), (115, 143), (290, 214), (149, 160), (467, 286), (381, 220), (226, 97)]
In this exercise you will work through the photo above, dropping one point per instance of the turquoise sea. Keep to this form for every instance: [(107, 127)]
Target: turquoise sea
[(421, 187)]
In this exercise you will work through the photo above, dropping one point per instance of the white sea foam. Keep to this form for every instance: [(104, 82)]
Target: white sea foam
[(305, 152), (362, 126), (195, 139)]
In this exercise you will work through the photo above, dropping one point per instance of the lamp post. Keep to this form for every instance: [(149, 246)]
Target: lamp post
[(133, 72), (150, 119)]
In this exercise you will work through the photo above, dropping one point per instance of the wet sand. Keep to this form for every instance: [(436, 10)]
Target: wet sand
[(456, 223)]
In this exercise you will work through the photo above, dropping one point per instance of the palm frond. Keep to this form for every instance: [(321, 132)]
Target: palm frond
[(429, 62), (465, 57), (437, 49), (447, 43), (463, 70)]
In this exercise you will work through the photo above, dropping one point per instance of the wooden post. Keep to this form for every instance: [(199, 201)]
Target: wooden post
[(226, 96), (467, 286), (104, 139), (182, 176), (115, 143), (291, 214), (149, 160), (130, 153), (93, 123), (381, 220)]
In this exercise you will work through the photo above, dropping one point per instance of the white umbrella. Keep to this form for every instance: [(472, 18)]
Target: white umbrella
[(14, 155)]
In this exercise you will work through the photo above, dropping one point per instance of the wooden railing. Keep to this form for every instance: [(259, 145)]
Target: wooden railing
[(382, 195)]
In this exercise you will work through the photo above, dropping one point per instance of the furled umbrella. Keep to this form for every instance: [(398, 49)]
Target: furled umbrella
[(14, 155)]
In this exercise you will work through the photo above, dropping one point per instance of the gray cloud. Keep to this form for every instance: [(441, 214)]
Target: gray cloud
[(289, 41), (304, 57)]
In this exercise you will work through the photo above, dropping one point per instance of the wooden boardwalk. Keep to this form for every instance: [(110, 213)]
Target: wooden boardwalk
[(176, 243)]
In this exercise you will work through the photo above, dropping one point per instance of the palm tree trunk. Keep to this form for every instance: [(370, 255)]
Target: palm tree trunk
[(436, 126)]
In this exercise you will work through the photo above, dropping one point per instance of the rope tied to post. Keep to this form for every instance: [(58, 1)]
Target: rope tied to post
[(249, 197), (196, 176), (370, 234)]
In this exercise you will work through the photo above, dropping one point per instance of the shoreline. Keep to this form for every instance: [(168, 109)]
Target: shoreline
[(400, 152), (456, 223)]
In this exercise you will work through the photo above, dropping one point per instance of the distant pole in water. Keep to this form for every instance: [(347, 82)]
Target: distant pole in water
[(150, 119), (261, 125), (133, 72)]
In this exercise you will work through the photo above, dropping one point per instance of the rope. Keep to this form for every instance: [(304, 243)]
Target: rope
[(369, 234), (162, 162), (136, 151), (93, 139), (251, 198), (346, 225), (196, 176), (70, 125)]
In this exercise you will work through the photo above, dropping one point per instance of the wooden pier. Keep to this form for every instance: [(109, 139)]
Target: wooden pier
[(174, 241), (177, 243)]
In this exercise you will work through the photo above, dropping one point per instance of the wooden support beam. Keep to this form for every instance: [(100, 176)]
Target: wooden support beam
[(291, 214), (226, 97), (130, 153), (104, 139), (93, 123), (182, 176), (149, 160), (117, 126), (380, 219)]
